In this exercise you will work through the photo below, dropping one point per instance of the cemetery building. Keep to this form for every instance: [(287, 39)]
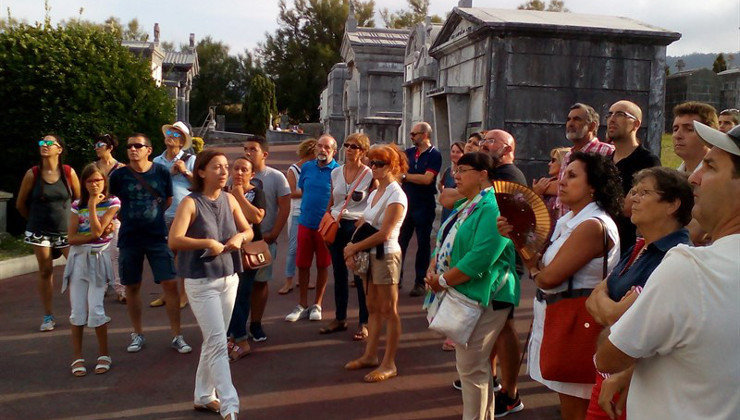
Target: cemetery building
[(701, 85)]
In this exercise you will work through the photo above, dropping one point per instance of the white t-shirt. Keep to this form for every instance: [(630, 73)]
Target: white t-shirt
[(295, 203), (685, 330), (393, 194), (340, 189)]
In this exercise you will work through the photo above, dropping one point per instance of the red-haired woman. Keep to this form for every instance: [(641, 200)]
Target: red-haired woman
[(386, 208)]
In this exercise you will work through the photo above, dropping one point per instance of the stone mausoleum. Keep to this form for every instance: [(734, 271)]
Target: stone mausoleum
[(521, 70)]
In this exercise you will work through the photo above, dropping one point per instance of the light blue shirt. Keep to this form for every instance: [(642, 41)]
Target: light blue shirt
[(180, 183)]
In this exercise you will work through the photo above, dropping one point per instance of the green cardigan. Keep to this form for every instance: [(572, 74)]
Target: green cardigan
[(485, 256)]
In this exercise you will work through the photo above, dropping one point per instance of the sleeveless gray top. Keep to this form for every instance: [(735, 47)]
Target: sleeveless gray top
[(214, 220), (48, 207)]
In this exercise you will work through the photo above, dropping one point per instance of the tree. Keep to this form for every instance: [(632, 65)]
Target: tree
[(416, 13), (301, 52), (260, 105), (553, 6), (719, 64), (217, 83), (77, 82)]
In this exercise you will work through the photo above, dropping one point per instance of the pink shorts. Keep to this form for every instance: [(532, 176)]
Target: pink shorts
[(310, 242)]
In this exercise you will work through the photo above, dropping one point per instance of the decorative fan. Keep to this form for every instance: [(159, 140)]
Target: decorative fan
[(527, 213)]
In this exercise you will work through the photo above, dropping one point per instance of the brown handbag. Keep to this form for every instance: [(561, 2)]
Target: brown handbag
[(255, 255), (570, 333), (329, 226)]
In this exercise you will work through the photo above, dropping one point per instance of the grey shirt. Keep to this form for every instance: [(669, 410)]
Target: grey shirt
[(274, 185)]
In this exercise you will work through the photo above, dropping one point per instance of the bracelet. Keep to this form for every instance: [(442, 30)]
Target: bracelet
[(442, 282)]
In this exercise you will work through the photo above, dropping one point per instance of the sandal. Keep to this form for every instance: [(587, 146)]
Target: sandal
[(237, 352), (101, 367), (78, 368), (376, 376), (212, 407), (121, 298), (334, 326), (361, 334), (285, 289), (156, 303), (358, 364)]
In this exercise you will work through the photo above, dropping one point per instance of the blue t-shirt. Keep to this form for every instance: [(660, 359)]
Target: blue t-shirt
[(620, 281), (142, 214), (180, 183), (315, 182), (421, 197)]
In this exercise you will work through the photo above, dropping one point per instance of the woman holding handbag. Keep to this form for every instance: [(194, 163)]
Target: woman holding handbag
[(208, 230), (475, 266), (350, 185), (584, 248), (251, 200), (376, 243)]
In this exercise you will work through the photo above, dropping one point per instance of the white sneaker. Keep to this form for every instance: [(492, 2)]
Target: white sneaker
[(314, 313), (179, 344), (137, 342), (47, 324), (299, 312)]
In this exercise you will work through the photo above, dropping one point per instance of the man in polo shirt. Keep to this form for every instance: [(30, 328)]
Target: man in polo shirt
[(622, 122), (425, 161), (581, 128), (315, 182), (681, 334)]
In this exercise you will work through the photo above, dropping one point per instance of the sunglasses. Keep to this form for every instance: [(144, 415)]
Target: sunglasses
[(136, 146), (101, 144), (378, 163), (352, 146), (173, 133), (47, 143)]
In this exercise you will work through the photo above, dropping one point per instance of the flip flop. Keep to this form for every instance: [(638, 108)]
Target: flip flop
[(156, 303), (212, 407), (78, 371), (283, 291), (238, 352), (101, 368), (360, 335), (379, 377), (334, 326), (357, 365)]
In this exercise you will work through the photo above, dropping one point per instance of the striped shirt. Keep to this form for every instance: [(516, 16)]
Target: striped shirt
[(83, 214), (594, 146)]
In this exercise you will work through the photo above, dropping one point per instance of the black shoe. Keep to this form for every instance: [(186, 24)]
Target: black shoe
[(507, 405), (417, 291), (457, 384), (258, 334)]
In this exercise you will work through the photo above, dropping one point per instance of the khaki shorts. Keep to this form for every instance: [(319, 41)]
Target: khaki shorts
[(386, 270)]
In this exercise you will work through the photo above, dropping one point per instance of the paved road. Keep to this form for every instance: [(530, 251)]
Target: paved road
[(295, 374)]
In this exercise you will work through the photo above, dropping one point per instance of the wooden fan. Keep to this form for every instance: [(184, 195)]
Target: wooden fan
[(527, 213)]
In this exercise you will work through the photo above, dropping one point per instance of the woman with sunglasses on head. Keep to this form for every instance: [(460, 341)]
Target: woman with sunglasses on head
[(547, 187), (106, 163), (383, 215), (306, 151), (44, 199), (89, 268), (350, 186), (208, 231)]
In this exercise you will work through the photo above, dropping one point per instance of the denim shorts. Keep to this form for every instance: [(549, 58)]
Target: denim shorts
[(131, 263)]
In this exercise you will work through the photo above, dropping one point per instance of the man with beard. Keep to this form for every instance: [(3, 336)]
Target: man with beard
[(623, 120), (502, 146), (315, 182), (419, 184), (580, 128)]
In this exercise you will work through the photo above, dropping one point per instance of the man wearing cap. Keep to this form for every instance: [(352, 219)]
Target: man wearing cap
[(681, 334), (177, 139)]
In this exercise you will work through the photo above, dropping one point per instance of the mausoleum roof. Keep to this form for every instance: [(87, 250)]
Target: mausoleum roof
[(381, 37), (179, 58)]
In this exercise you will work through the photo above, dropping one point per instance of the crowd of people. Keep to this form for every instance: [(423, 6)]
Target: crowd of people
[(636, 290)]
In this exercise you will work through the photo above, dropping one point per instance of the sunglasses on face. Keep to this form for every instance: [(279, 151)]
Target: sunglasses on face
[(47, 143), (352, 146), (377, 164), (101, 144), (136, 146), (173, 133)]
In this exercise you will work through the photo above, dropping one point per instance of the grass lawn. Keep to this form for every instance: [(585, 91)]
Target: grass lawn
[(13, 247), (667, 157)]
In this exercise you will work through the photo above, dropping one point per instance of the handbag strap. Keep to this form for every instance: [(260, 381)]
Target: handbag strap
[(604, 257), (349, 194)]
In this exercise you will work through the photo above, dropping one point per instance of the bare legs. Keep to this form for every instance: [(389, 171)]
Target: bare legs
[(507, 351), (572, 408), (171, 300), (45, 283), (304, 277)]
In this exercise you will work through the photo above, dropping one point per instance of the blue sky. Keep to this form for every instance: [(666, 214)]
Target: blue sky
[(711, 27)]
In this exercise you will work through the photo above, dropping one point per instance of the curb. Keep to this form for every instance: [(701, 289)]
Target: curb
[(23, 265)]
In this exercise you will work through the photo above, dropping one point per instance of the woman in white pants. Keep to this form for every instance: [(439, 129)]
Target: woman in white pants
[(208, 230)]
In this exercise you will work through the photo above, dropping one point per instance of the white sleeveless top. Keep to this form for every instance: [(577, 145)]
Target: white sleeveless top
[(295, 203)]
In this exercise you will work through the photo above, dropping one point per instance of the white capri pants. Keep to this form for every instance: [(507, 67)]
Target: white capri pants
[(87, 274)]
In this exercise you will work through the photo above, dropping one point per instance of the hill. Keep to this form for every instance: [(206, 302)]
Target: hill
[(700, 60)]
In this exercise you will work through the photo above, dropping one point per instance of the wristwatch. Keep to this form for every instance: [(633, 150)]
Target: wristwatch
[(442, 282), (403, 177)]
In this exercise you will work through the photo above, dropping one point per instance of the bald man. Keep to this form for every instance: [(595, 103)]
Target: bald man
[(622, 122), (502, 146)]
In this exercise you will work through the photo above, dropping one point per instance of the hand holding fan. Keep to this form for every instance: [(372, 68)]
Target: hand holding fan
[(527, 213)]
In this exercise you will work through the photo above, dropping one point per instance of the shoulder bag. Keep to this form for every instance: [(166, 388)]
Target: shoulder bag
[(255, 255), (456, 316), (570, 332), (329, 226)]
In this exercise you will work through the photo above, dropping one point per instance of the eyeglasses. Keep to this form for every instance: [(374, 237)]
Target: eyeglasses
[(620, 114), (412, 134), (101, 144), (352, 146), (47, 143), (642, 193), (136, 146), (173, 133), (462, 170), (378, 163), (94, 181)]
